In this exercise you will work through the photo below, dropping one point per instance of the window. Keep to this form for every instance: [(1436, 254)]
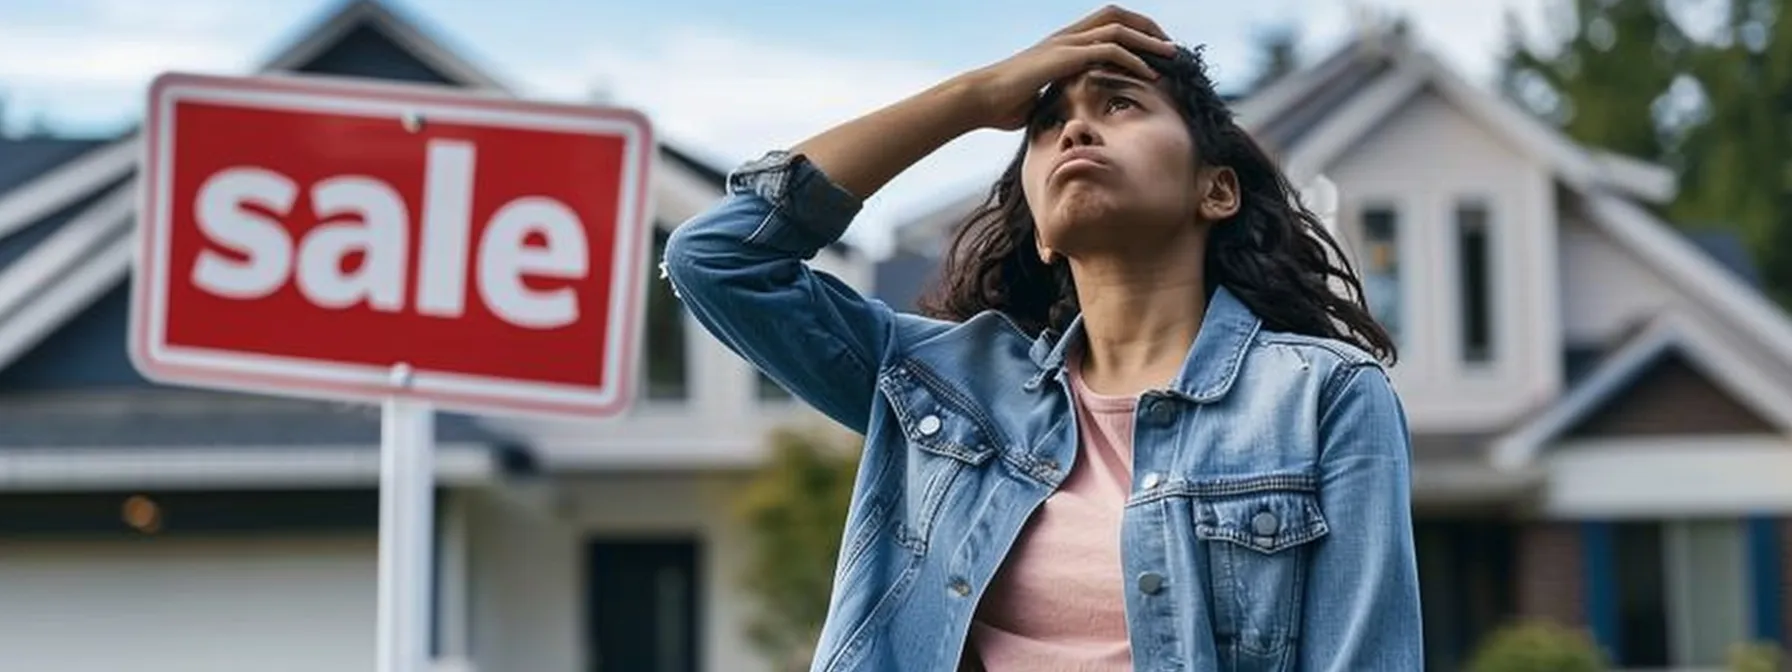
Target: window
[(1381, 267), (1474, 250), (1683, 592), (666, 376)]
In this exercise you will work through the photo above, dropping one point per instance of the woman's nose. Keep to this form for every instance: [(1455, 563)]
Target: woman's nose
[(1076, 132)]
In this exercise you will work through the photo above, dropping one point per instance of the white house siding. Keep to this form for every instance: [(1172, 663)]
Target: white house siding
[(528, 564), (524, 595), (170, 604), (1669, 477), (1606, 289), (1421, 160)]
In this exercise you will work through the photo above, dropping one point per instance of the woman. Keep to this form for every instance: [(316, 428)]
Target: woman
[(1139, 427)]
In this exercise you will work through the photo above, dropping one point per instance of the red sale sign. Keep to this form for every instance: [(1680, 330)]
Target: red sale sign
[(308, 236)]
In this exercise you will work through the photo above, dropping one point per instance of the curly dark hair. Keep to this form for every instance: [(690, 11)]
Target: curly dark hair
[(1273, 254)]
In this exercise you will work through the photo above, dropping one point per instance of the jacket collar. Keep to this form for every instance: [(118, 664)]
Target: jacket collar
[(1213, 361)]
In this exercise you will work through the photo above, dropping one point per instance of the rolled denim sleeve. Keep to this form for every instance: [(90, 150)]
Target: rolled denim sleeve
[(741, 269), (1361, 609)]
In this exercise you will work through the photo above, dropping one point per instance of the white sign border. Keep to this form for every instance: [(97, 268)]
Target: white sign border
[(257, 372)]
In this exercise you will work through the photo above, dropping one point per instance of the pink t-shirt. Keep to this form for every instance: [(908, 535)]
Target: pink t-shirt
[(1057, 603)]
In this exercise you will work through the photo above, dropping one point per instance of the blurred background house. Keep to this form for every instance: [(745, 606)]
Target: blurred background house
[(1601, 405)]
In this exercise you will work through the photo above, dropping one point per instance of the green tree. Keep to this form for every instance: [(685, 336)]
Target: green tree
[(795, 509), (1604, 75), (1739, 164), (1624, 76)]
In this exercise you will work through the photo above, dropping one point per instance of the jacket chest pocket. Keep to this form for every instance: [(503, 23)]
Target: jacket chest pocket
[(1258, 533), (945, 436)]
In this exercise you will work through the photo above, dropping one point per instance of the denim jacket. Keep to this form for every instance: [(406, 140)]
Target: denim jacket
[(1269, 525)]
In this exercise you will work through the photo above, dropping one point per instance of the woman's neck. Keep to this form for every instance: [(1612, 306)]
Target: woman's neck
[(1140, 317)]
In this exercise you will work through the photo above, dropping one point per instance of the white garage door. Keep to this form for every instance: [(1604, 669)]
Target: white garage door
[(188, 605)]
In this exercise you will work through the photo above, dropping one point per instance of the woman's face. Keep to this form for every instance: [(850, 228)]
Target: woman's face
[(1111, 154), (1110, 163)]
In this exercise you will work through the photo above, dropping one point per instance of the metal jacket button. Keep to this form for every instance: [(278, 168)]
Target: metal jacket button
[(1159, 412), (930, 425), (1266, 523), (1151, 583)]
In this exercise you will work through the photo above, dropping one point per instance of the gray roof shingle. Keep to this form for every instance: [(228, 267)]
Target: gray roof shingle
[(24, 159), (193, 418)]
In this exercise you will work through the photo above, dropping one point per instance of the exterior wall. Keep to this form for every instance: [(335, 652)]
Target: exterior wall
[(189, 603), (1606, 290), (1550, 575), (528, 550), (1422, 161), (524, 602), (1668, 477), (693, 504)]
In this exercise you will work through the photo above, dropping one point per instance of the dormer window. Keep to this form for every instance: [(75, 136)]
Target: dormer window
[(1381, 267), (1474, 250), (666, 370)]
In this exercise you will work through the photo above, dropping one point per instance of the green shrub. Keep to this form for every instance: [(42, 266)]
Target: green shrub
[(1537, 647), (1755, 657), (794, 511)]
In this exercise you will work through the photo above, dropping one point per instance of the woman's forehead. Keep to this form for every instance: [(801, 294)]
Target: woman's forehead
[(1100, 78)]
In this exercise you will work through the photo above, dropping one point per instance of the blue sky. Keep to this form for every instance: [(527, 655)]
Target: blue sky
[(722, 79)]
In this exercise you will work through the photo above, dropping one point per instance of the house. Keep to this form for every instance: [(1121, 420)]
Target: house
[(1601, 406), (155, 528)]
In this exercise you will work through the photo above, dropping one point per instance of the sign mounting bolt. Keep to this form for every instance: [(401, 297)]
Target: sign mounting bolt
[(413, 121)]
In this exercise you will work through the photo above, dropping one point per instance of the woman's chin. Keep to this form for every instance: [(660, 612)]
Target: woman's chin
[(1082, 204)]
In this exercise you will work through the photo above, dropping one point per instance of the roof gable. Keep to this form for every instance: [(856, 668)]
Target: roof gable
[(1672, 396), (1613, 190), (1643, 364), (366, 51), (24, 159), (364, 29), (87, 351)]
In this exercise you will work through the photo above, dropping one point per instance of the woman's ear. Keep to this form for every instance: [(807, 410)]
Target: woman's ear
[(1220, 196), (1046, 254)]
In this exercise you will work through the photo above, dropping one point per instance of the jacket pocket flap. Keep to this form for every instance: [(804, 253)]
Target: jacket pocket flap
[(1266, 520), (933, 421)]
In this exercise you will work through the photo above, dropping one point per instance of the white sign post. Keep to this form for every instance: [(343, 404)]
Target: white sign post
[(407, 515)]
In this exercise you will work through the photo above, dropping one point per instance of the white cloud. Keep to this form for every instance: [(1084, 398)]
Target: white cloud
[(187, 17), (120, 44), (81, 59), (87, 66)]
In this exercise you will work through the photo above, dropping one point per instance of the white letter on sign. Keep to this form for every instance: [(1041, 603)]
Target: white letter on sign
[(379, 235), (261, 239), (503, 259), (447, 214)]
